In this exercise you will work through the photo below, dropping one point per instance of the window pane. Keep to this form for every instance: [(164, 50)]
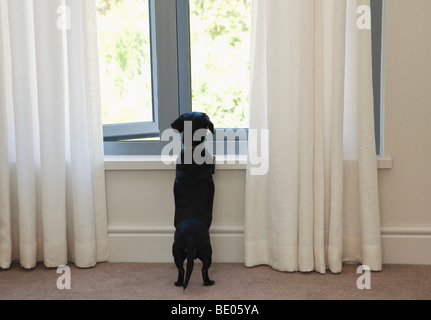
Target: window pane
[(125, 61), (220, 60)]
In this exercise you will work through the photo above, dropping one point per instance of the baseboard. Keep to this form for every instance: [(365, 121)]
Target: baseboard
[(406, 245), (152, 243)]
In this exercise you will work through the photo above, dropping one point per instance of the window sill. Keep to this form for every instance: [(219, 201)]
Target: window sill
[(138, 163), (384, 163), (145, 163)]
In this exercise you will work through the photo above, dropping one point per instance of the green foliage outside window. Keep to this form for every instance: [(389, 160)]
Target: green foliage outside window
[(220, 51)]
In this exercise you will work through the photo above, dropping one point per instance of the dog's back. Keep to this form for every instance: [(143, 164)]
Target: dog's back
[(194, 191)]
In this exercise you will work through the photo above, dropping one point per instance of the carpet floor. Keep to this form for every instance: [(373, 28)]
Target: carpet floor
[(154, 281)]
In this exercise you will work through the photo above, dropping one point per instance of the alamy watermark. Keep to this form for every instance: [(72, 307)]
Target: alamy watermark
[(63, 20), (64, 281), (364, 280), (364, 20), (256, 148)]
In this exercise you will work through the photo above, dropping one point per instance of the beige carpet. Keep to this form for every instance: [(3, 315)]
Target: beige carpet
[(145, 281)]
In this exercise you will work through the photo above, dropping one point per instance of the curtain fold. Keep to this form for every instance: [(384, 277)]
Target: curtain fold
[(52, 188), (311, 88)]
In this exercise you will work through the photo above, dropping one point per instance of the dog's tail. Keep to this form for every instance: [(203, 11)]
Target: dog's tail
[(190, 263)]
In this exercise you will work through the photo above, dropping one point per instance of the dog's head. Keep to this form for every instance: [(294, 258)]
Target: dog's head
[(198, 120)]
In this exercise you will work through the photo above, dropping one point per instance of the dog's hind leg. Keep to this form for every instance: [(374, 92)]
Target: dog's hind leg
[(179, 264), (206, 259), (179, 257)]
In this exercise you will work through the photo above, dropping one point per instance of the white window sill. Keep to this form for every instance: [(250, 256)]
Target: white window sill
[(384, 163), (119, 163), (137, 163)]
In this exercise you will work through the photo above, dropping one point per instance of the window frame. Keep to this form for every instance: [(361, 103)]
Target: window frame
[(171, 82), (377, 35), (165, 72)]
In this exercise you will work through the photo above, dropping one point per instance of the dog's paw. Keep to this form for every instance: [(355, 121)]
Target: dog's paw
[(209, 283), (179, 284)]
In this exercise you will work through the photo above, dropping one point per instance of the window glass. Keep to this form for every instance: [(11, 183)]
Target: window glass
[(220, 60), (125, 61)]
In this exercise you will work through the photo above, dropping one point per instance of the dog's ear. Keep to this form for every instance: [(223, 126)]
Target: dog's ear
[(210, 124), (178, 124), (211, 127)]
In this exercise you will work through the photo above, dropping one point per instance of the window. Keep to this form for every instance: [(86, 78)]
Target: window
[(220, 60), (125, 64), (160, 59), (148, 80), (377, 33), (154, 27)]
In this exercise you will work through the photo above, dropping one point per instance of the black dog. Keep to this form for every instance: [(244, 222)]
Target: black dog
[(194, 195)]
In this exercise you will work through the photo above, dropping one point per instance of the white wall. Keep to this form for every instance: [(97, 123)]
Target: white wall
[(141, 204), (405, 190)]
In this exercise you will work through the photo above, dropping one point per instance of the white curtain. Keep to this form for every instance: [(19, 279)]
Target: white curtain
[(317, 206), (52, 188)]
